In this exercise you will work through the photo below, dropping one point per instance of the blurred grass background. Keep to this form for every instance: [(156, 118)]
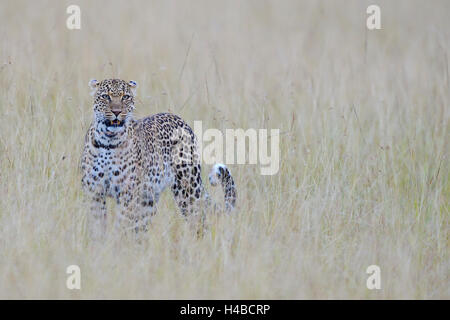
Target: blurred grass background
[(364, 172)]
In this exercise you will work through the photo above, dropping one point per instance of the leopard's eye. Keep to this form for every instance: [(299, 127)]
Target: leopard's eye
[(105, 96), (126, 97)]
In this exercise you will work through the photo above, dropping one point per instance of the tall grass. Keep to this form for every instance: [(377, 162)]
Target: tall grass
[(364, 122)]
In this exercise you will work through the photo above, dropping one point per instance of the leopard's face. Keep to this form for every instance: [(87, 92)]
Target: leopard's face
[(113, 102)]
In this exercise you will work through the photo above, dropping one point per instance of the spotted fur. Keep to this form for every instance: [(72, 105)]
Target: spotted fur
[(221, 174), (133, 161)]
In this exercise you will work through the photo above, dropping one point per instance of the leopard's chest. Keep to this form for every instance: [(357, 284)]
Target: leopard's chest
[(116, 171)]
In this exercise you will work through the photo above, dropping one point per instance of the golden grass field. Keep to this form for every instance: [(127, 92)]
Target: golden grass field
[(364, 141)]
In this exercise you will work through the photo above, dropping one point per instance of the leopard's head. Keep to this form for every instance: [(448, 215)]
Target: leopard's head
[(113, 102)]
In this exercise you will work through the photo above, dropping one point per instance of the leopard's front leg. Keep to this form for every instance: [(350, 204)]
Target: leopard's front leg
[(96, 223), (135, 210), (96, 196)]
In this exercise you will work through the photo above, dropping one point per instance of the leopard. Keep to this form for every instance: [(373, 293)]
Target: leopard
[(134, 160)]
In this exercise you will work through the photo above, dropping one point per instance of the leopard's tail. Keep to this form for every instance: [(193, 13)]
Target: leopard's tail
[(221, 174)]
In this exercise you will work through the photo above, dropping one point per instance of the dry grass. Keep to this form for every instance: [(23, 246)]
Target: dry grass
[(364, 174)]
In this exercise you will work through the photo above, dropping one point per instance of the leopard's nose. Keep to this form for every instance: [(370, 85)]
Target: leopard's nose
[(116, 112)]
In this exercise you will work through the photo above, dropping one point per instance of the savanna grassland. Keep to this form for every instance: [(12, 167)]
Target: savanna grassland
[(364, 141)]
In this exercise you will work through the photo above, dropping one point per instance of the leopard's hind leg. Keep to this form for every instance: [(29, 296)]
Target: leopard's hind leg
[(190, 195)]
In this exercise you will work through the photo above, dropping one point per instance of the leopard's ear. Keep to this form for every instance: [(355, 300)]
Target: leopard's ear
[(133, 86), (93, 84)]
